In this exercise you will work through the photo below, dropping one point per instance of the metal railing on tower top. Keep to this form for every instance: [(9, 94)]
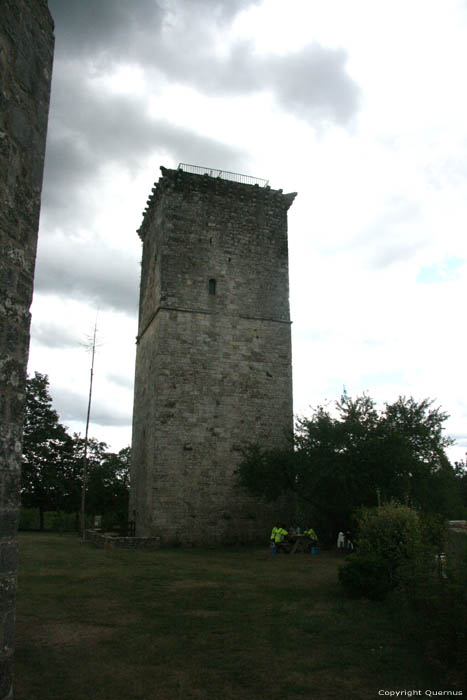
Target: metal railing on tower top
[(224, 174)]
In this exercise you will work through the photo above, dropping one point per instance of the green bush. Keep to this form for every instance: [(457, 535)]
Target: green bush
[(61, 522), (391, 530), (387, 538), (432, 601), (424, 567), (29, 519), (366, 576), (55, 522)]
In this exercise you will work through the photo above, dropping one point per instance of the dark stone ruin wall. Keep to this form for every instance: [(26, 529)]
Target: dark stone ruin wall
[(213, 371), (26, 52)]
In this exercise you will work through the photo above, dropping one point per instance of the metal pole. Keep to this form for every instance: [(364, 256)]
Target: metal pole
[(85, 456)]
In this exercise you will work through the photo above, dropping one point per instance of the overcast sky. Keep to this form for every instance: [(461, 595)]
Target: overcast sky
[(360, 107)]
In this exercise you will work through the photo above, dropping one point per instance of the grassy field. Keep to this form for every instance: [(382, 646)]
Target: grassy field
[(188, 624)]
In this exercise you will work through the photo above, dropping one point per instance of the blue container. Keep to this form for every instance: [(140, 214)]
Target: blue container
[(314, 550)]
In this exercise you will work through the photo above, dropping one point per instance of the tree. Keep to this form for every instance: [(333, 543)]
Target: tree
[(108, 487), (53, 463), (357, 457), (74, 473), (46, 480), (460, 471)]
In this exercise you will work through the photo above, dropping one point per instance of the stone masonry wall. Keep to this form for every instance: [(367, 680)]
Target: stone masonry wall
[(26, 52), (213, 371)]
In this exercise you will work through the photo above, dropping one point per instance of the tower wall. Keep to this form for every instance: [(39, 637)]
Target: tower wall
[(213, 370), (26, 50)]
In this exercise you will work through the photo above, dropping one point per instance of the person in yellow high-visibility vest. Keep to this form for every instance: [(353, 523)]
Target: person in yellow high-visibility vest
[(313, 537), (282, 540)]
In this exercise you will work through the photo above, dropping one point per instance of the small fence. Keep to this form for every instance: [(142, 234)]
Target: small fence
[(111, 540), (224, 174)]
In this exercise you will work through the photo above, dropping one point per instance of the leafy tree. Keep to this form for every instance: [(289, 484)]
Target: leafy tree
[(358, 456), (108, 487), (46, 480), (53, 464), (460, 471), (414, 442), (95, 453)]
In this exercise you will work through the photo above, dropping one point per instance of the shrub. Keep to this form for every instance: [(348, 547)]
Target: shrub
[(399, 551), (432, 598), (29, 519), (53, 521), (387, 538), (391, 530), (62, 522), (366, 576)]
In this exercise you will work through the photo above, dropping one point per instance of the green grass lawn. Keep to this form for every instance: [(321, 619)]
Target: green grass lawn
[(191, 624)]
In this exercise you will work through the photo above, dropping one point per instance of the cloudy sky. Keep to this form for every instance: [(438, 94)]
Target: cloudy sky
[(360, 107)]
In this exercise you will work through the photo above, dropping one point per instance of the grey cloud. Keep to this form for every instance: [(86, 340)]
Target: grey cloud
[(72, 406), (85, 26), (66, 172), (221, 11), (102, 415), (146, 32), (177, 42), (69, 405), (313, 84), (103, 276), (460, 438), (96, 125), (53, 335), (121, 380), (89, 129)]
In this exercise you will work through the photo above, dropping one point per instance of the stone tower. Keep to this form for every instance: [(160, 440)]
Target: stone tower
[(26, 53), (213, 363)]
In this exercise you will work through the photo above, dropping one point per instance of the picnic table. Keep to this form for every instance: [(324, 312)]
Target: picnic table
[(300, 543)]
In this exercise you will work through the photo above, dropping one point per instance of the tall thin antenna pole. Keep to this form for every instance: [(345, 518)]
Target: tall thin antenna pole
[(85, 457)]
